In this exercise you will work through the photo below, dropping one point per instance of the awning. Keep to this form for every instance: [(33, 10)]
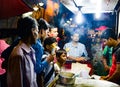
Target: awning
[(11, 8)]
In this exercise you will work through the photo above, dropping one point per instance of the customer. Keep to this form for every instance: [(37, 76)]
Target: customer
[(114, 73), (53, 32), (39, 50), (3, 45), (21, 63), (76, 51), (50, 44), (98, 67), (61, 56), (5, 55), (62, 34), (43, 29)]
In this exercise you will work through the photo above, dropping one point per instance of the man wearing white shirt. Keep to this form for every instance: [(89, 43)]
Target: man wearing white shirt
[(76, 51)]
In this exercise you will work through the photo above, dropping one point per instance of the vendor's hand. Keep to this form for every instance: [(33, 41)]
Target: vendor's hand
[(101, 78), (70, 58), (50, 58), (81, 59), (104, 77)]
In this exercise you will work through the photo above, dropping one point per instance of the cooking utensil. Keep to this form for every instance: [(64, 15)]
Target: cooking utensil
[(66, 78)]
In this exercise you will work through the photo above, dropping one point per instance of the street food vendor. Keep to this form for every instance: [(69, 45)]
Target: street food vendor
[(76, 51)]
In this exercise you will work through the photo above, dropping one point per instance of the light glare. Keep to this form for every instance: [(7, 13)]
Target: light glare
[(79, 18)]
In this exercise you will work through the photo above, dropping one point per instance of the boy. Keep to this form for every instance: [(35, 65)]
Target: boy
[(49, 45), (61, 56)]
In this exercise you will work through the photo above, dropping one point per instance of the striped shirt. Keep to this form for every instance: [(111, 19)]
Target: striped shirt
[(49, 71)]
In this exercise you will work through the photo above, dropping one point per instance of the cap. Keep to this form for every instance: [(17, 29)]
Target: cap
[(101, 28)]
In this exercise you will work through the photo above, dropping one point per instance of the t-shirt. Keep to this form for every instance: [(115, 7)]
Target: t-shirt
[(49, 71), (115, 59), (40, 65), (107, 53)]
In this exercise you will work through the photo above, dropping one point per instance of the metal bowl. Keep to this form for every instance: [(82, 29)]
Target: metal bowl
[(66, 78)]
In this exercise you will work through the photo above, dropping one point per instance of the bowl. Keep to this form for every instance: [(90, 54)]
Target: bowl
[(66, 78)]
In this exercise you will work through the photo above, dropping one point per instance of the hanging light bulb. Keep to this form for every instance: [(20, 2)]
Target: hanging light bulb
[(79, 18)]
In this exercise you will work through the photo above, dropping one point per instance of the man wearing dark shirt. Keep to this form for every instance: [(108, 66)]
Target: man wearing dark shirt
[(114, 73)]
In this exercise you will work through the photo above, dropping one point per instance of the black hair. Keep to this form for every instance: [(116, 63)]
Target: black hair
[(60, 51), (109, 33), (43, 24), (52, 27), (49, 41), (25, 25)]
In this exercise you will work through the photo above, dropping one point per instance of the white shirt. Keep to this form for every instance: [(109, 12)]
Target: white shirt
[(75, 51)]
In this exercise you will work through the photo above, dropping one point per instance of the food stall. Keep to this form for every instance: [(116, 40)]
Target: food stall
[(79, 77)]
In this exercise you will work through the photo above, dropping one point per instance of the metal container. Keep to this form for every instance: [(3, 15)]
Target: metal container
[(66, 78)]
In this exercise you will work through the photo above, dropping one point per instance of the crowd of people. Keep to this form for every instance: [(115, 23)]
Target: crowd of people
[(35, 57)]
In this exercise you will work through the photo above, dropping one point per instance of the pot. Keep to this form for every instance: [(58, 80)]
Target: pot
[(66, 78)]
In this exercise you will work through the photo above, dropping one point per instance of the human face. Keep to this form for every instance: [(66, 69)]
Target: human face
[(63, 57), (44, 33), (34, 34), (75, 37), (47, 32), (110, 42), (53, 32)]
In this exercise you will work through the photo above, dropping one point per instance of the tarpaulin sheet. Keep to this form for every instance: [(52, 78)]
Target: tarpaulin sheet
[(11, 8)]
